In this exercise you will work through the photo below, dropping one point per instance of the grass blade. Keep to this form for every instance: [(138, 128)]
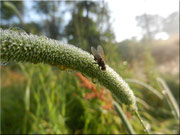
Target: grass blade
[(169, 97), (124, 119)]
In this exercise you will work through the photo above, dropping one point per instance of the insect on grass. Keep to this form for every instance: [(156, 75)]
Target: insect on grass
[(99, 56)]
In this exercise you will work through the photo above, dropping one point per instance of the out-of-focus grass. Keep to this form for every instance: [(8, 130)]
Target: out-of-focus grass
[(12, 109), (43, 99), (42, 114), (56, 104)]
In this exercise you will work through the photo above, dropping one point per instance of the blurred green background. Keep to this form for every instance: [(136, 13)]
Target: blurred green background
[(39, 98)]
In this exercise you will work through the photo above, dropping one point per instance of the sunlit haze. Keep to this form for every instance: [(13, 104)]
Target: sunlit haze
[(123, 15), (162, 36), (124, 12)]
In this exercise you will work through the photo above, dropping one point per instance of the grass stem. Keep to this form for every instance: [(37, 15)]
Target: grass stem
[(169, 97), (141, 121), (124, 119)]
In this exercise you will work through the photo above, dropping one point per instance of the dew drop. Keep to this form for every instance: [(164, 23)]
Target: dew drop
[(69, 71), (164, 92), (3, 63), (94, 80), (124, 62)]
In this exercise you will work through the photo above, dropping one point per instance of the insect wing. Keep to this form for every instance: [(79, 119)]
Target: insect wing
[(100, 52), (94, 52)]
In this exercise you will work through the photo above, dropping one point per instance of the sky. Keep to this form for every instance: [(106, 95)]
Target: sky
[(123, 13)]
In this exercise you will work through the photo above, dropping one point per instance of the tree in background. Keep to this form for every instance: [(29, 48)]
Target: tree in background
[(12, 16), (11, 13), (89, 25), (52, 21), (150, 24), (171, 23), (153, 24)]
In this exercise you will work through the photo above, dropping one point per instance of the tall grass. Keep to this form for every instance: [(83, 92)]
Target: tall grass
[(52, 101), (169, 97)]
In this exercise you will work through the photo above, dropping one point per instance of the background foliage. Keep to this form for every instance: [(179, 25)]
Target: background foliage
[(38, 98)]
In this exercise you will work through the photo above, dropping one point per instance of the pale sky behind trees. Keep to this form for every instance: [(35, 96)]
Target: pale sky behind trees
[(124, 12), (123, 15)]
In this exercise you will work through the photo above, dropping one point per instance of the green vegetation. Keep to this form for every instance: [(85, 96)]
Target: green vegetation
[(48, 98)]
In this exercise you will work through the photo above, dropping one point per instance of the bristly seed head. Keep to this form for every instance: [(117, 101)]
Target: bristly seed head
[(16, 46)]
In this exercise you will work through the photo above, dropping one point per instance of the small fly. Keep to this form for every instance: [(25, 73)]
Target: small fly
[(99, 56)]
